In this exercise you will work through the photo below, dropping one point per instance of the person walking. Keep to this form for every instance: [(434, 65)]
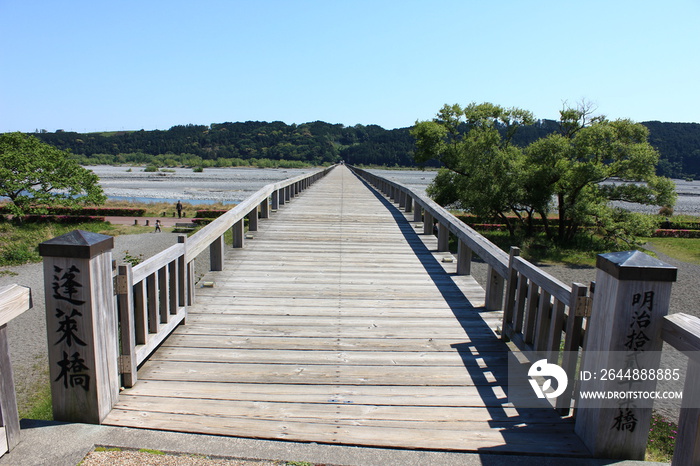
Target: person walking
[(158, 230), (178, 206)]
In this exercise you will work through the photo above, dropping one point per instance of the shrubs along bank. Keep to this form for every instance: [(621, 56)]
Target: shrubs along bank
[(88, 211)]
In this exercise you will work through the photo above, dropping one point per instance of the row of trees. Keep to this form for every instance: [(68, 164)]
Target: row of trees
[(315, 143), (574, 172), (319, 142)]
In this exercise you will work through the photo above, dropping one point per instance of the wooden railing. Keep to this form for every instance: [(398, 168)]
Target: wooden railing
[(539, 311), (152, 297), (537, 305), (14, 300), (101, 326), (683, 333), (469, 241)]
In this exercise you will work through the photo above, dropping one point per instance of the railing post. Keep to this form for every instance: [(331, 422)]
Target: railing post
[(265, 208), (464, 259), (216, 254), (417, 213), (9, 417), (14, 300), (494, 290), (632, 296), (443, 238), (409, 203), (682, 331), (238, 230), (81, 325), (253, 219), (508, 326), (275, 199), (427, 223), (125, 306), (183, 293)]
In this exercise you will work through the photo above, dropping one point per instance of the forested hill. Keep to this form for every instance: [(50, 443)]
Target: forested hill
[(315, 142), (319, 142)]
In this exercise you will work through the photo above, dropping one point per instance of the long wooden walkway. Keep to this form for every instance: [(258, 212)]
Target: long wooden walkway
[(337, 324)]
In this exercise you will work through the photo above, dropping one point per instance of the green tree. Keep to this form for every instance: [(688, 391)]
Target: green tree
[(589, 164), (34, 174), (483, 172), (578, 171)]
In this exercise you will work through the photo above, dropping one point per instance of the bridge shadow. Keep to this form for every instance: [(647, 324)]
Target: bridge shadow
[(486, 359)]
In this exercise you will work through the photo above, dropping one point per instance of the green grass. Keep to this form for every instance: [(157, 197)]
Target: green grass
[(34, 396), (682, 249), (539, 249), (662, 439), (152, 452), (20, 243)]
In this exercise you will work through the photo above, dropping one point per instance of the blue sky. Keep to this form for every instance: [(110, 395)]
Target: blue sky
[(150, 64)]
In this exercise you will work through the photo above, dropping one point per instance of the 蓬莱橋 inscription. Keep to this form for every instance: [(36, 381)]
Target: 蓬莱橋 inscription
[(81, 325), (72, 369)]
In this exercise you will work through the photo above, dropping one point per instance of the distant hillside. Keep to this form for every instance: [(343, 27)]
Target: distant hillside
[(318, 142)]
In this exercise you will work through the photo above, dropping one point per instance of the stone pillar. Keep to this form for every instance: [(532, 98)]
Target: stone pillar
[(81, 325)]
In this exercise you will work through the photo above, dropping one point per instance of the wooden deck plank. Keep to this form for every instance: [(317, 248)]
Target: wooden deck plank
[(339, 323)]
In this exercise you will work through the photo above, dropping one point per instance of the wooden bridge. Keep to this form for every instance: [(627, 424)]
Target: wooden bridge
[(338, 323), (340, 318)]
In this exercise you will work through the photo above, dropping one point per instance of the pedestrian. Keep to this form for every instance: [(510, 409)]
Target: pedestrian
[(178, 206), (158, 230)]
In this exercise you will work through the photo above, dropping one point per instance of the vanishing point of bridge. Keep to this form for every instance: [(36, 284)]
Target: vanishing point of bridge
[(338, 323)]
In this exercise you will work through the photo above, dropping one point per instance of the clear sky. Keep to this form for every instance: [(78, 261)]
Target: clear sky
[(96, 65)]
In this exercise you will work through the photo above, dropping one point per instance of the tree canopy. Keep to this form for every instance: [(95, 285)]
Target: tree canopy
[(34, 174), (576, 171)]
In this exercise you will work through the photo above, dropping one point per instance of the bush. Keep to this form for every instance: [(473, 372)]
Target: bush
[(64, 219), (201, 221), (210, 213), (662, 233), (151, 169), (18, 255), (89, 211)]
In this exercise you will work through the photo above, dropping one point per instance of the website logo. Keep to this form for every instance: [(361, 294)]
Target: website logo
[(549, 371)]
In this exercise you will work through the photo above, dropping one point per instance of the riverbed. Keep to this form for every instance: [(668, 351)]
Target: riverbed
[(232, 185)]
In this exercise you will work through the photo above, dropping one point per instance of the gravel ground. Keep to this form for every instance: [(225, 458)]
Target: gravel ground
[(138, 458)]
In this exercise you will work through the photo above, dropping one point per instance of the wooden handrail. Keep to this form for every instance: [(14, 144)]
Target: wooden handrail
[(535, 309), (153, 296), (156, 262), (485, 249), (682, 331), (545, 281), (14, 300), (199, 241)]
